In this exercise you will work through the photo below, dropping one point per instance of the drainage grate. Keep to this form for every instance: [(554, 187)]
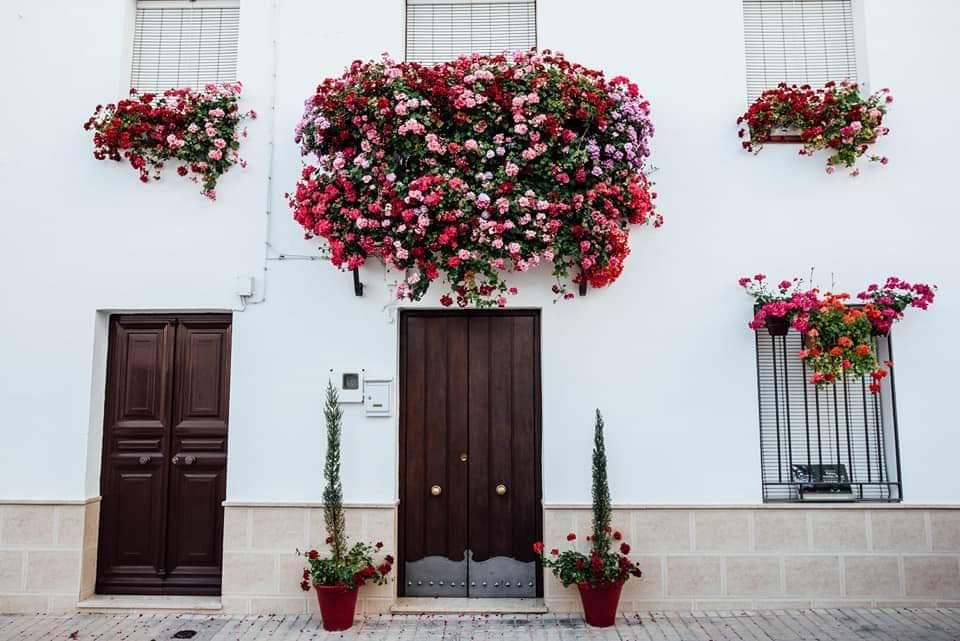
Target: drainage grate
[(184, 634)]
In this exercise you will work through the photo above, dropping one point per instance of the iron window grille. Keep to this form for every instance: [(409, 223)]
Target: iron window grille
[(798, 42), (441, 30), (184, 43), (835, 443)]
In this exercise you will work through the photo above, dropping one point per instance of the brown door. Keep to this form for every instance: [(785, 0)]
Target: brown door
[(470, 453), (163, 476)]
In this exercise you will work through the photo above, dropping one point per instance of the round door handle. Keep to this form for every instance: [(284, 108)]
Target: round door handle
[(143, 460), (501, 489), (189, 460), (175, 460), (436, 490)]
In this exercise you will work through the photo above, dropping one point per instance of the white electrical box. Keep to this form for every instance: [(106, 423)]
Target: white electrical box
[(376, 397), (349, 385), (243, 286)]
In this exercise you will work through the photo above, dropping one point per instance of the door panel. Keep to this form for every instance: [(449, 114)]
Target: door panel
[(164, 465), (136, 443), (469, 423)]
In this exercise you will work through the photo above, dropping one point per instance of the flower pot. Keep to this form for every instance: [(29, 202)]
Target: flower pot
[(337, 606), (777, 326), (600, 603), (786, 135)]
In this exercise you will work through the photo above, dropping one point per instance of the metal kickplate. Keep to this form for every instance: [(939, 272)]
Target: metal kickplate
[(501, 576), (436, 576)]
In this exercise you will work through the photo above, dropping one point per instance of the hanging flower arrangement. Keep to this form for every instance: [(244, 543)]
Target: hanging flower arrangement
[(476, 167), (836, 118), (838, 336), (200, 129)]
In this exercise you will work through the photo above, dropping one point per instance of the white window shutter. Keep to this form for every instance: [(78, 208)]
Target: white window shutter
[(437, 31), (184, 44), (798, 42)]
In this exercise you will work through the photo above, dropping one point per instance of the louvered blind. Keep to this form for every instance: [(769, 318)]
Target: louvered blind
[(184, 44), (798, 42), (440, 31)]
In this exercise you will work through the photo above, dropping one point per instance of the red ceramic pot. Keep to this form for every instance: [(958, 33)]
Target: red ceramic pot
[(600, 603), (337, 606), (777, 326)]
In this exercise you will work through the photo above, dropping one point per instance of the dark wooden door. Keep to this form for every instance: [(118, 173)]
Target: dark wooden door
[(470, 496), (163, 476)]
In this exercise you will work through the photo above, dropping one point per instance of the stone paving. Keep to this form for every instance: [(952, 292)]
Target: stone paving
[(904, 624)]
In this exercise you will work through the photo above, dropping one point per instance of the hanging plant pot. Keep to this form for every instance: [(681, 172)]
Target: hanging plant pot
[(777, 325), (786, 135), (337, 606), (600, 603)]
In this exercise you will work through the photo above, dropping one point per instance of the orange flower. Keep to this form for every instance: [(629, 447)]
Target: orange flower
[(862, 350), (846, 364), (844, 341), (836, 351)]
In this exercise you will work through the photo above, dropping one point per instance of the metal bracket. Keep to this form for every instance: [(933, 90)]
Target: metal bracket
[(357, 285)]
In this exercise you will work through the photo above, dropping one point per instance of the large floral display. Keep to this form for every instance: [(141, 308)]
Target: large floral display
[(474, 168)]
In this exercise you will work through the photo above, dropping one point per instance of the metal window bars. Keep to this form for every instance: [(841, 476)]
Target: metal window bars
[(835, 443)]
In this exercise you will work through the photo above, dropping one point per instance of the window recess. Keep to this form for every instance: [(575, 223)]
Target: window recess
[(182, 43), (836, 443), (438, 31), (798, 42)]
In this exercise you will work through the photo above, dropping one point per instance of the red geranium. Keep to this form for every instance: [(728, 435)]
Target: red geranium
[(197, 128)]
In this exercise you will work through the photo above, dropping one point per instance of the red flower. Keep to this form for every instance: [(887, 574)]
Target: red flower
[(571, 537), (305, 586), (538, 547), (313, 554), (555, 552), (378, 544), (624, 548), (617, 535)]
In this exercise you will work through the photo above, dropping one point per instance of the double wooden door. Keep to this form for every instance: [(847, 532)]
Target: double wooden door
[(470, 492), (163, 475)]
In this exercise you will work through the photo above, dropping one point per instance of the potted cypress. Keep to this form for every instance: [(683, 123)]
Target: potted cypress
[(338, 577), (600, 575)]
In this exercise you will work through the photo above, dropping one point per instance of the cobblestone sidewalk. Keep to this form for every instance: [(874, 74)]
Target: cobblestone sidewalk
[(776, 625)]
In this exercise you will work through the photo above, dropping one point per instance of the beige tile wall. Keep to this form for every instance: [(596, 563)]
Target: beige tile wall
[(774, 557), (702, 558), (261, 570), (41, 556)]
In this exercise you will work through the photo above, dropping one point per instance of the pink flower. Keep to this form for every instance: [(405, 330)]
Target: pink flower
[(215, 154)]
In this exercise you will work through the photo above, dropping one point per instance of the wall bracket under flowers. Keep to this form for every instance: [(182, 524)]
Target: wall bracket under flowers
[(476, 167), (835, 118), (199, 128)]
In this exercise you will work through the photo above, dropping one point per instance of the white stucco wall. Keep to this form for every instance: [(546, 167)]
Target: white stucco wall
[(664, 352)]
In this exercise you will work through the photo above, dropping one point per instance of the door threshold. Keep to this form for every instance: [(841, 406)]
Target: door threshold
[(107, 602), (464, 605)]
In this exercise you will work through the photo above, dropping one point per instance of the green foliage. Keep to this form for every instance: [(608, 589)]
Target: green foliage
[(347, 567), (601, 491), (333, 491)]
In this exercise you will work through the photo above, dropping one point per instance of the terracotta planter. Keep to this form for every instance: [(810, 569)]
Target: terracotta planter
[(337, 606), (777, 326), (600, 604)]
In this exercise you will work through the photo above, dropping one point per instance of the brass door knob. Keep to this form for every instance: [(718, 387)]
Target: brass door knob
[(501, 489), (436, 490)]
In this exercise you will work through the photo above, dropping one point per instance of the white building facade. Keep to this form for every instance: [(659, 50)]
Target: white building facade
[(664, 352)]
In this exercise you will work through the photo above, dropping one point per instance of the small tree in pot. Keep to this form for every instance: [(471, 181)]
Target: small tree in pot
[(337, 578), (600, 575)]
